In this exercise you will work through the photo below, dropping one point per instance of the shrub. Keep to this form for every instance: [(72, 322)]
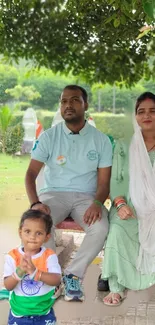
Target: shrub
[(46, 122), (45, 117), (16, 119), (107, 123), (14, 139), (110, 124)]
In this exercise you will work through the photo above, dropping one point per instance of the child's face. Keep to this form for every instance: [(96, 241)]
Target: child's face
[(33, 234)]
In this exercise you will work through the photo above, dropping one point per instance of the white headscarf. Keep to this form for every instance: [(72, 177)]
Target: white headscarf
[(142, 193)]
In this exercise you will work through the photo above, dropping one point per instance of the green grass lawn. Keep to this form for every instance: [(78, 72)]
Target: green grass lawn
[(12, 172)]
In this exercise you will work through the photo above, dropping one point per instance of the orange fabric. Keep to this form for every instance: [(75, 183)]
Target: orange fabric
[(39, 262), (39, 129)]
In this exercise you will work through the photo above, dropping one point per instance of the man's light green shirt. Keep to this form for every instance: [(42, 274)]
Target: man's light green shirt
[(72, 160)]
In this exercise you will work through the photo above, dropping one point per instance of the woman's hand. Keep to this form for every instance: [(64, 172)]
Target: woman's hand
[(125, 212)]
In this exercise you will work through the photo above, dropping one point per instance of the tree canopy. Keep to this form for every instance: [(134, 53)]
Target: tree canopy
[(95, 39)]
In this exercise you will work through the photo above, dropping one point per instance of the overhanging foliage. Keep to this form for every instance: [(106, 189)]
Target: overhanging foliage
[(96, 39)]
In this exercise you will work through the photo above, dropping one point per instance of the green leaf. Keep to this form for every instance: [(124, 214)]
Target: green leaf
[(123, 20), (110, 2), (142, 34), (116, 22), (90, 38), (110, 18), (149, 8)]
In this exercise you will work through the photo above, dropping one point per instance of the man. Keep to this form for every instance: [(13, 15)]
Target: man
[(77, 159)]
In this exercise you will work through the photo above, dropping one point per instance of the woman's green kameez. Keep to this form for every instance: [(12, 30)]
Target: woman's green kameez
[(122, 246)]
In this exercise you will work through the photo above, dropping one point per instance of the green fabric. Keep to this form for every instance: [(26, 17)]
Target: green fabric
[(122, 244), (116, 287), (28, 306), (112, 141), (4, 294)]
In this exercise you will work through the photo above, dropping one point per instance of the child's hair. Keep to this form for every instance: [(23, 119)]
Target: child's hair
[(37, 214)]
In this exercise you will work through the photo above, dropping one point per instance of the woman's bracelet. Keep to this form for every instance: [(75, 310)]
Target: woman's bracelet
[(120, 206), (119, 201)]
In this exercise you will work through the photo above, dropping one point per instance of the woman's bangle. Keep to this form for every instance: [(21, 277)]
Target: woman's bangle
[(34, 203), (118, 202), (99, 203), (120, 206)]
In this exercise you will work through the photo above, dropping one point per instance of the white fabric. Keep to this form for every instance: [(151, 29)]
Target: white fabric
[(142, 193), (52, 266)]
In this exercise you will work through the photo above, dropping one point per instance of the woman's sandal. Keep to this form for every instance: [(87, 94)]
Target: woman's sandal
[(119, 300)]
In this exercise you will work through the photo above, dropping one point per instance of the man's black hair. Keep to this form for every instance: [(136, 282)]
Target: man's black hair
[(76, 87)]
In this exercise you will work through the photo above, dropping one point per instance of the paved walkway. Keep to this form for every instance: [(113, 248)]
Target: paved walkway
[(137, 309)]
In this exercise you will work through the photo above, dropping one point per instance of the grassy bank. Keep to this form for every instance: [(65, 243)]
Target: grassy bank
[(12, 172)]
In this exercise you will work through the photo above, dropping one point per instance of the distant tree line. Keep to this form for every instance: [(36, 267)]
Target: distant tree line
[(41, 90)]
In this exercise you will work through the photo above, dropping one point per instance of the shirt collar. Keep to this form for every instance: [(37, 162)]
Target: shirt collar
[(83, 131)]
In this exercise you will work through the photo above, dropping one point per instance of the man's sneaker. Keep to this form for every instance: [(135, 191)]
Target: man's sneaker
[(72, 287)]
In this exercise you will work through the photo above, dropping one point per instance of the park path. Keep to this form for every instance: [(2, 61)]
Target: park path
[(137, 309)]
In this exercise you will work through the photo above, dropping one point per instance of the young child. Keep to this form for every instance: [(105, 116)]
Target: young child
[(31, 273)]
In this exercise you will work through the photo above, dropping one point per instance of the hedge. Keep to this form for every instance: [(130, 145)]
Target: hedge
[(14, 138), (110, 124), (107, 123)]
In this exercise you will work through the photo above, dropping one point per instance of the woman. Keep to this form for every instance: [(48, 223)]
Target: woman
[(129, 260)]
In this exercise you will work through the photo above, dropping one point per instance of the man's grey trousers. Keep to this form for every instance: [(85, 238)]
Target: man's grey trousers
[(75, 204)]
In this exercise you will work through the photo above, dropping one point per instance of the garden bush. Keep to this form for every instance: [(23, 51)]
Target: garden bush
[(110, 124), (105, 122), (45, 117), (16, 119), (14, 138)]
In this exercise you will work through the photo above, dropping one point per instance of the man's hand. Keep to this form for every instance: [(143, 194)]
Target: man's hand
[(125, 212), (42, 207), (93, 213)]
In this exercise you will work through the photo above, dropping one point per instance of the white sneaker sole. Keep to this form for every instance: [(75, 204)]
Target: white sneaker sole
[(81, 299)]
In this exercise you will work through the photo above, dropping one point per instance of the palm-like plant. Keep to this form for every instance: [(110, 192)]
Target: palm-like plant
[(6, 116)]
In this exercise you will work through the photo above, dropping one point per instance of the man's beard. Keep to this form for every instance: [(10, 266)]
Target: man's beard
[(73, 120)]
